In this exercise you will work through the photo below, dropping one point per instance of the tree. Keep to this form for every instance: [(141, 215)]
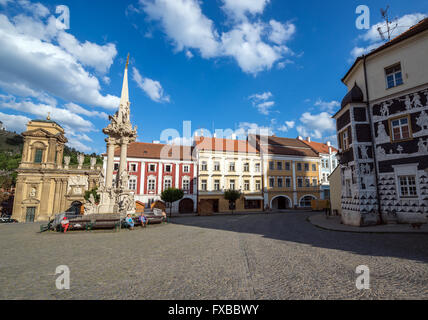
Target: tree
[(94, 193), (171, 195), (232, 196)]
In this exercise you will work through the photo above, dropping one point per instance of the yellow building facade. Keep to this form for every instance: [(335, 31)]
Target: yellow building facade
[(227, 164), (44, 185)]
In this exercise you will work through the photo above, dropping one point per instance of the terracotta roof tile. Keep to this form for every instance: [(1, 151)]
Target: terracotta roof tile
[(157, 151), (224, 145), (320, 147)]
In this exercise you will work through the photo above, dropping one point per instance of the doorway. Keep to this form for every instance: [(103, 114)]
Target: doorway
[(31, 214)]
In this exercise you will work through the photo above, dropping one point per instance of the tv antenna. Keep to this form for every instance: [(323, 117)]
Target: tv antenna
[(390, 27)]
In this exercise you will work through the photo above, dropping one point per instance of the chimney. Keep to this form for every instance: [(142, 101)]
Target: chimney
[(328, 143), (156, 142), (234, 136), (300, 138), (308, 139), (215, 135)]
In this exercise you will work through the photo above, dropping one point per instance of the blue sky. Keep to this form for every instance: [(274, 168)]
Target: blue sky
[(222, 64)]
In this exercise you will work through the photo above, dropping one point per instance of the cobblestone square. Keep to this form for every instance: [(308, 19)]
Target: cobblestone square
[(261, 256)]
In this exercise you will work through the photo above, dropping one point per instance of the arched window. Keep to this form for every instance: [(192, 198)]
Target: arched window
[(305, 202)]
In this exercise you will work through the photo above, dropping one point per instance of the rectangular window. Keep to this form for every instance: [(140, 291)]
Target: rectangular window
[(271, 165), (287, 166), (186, 169), (167, 183), (204, 166), (299, 167), (186, 184), (204, 185), (345, 140), (246, 167), (314, 167), (307, 182), (400, 129), (133, 184), (152, 184), (38, 157), (279, 165), (257, 167), (280, 183), (408, 186), (258, 185), (217, 185), (133, 167), (116, 167), (152, 168), (247, 185), (272, 182), (216, 166), (394, 76), (314, 182), (232, 184), (288, 182), (232, 167), (168, 168), (306, 166), (299, 182)]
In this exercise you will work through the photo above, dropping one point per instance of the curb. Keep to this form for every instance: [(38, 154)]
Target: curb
[(363, 230)]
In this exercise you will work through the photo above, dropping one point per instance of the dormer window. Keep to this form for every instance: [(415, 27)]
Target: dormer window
[(393, 76)]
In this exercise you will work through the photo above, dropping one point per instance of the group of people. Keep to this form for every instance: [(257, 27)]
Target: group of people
[(65, 223), (130, 221)]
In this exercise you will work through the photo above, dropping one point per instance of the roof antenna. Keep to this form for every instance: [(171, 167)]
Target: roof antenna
[(389, 27)]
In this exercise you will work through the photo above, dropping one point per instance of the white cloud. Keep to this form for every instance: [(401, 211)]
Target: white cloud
[(80, 110), (287, 126), (37, 9), (237, 9), (373, 38), (280, 32), (185, 24), (14, 122), (256, 46), (62, 116), (315, 125), (245, 128), (30, 64), (151, 87), (88, 53), (329, 106), (260, 101)]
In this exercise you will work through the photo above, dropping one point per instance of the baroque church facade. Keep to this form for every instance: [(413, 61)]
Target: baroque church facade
[(383, 133)]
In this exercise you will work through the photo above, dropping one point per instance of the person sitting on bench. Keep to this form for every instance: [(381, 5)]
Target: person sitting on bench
[(143, 220), (65, 223), (130, 222)]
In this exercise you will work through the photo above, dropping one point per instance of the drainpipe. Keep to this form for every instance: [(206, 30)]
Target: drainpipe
[(373, 141)]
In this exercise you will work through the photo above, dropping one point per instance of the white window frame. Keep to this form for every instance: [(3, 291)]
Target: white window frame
[(186, 181), (232, 184), (216, 185), (168, 166), (204, 185), (186, 168), (410, 169), (150, 165), (151, 180), (394, 75), (247, 185), (165, 180), (132, 183)]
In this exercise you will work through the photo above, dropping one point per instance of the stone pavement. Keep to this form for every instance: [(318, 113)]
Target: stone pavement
[(334, 224), (265, 256)]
